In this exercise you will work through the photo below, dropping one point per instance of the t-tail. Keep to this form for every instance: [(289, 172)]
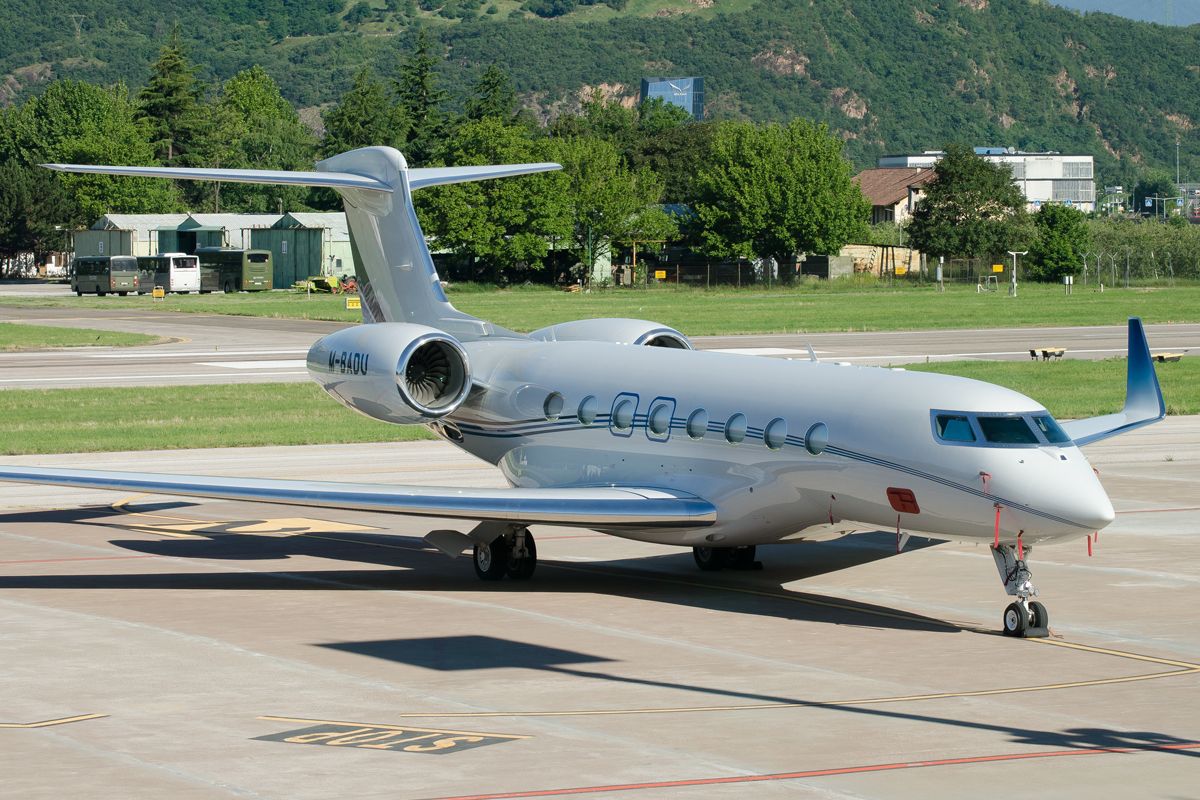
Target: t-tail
[(396, 276)]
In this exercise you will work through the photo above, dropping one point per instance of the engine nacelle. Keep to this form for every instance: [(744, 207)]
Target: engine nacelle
[(618, 331), (393, 371)]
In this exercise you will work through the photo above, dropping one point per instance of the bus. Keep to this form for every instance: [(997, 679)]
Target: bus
[(175, 272), (100, 275), (233, 270)]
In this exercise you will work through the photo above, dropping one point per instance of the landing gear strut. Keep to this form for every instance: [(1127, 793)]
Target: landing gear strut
[(711, 559), (1024, 618), (512, 553)]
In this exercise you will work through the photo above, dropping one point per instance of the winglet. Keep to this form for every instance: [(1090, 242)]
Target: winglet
[(1144, 402)]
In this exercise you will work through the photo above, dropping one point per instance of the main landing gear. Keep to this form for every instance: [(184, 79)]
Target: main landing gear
[(1024, 618), (711, 559), (512, 553)]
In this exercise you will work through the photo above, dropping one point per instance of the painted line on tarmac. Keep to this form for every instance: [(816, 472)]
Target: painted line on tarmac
[(824, 773), (147, 377), (82, 558), (196, 354), (315, 721), (288, 364), (50, 722)]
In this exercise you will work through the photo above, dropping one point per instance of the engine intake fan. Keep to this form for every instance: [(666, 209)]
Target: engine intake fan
[(432, 375)]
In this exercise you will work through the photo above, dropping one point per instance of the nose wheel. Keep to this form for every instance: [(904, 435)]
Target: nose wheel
[(1024, 618)]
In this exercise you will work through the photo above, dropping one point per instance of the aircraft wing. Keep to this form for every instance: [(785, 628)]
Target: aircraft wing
[(1143, 396), (603, 507)]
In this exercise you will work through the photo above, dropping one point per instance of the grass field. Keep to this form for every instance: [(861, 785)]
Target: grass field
[(829, 306), (171, 417), (91, 420), (18, 336)]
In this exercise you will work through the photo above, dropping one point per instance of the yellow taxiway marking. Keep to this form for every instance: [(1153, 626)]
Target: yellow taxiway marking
[(391, 727), (46, 723)]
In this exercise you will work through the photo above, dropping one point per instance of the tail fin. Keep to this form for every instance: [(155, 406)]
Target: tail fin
[(396, 276), (1143, 397)]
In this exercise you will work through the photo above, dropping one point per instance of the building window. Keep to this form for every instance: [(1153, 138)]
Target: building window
[(1074, 191), (1077, 169)]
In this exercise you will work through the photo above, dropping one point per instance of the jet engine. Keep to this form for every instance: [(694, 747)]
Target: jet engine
[(617, 331), (393, 371)]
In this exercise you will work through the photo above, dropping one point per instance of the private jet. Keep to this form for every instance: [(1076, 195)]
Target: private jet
[(621, 426)]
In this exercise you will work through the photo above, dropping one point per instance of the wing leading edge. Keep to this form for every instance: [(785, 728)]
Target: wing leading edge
[(599, 507)]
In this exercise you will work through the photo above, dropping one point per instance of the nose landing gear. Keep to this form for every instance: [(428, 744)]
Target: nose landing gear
[(1023, 618)]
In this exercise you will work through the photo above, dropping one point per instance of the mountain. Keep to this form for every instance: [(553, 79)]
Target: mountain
[(886, 75), (1164, 12)]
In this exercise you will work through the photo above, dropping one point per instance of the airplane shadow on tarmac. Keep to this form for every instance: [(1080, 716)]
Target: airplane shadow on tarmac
[(671, 578)]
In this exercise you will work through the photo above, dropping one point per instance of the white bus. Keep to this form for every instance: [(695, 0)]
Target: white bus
[(175, 272)]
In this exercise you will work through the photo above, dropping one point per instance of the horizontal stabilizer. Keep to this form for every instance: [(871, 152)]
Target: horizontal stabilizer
[(330, 180), (439, 176), (1143, 397), (601, 507)]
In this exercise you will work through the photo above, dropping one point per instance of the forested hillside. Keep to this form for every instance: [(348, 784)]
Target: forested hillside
[(886, 75)]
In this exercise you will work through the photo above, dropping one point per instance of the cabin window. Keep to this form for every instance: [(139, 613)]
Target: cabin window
[(816, 439), (1050, 429), (735, 429), (622, 413), (553, 406), (954, 428), (697, 423), (1007, 430), (775, 434), (589, 407), (658, 421)]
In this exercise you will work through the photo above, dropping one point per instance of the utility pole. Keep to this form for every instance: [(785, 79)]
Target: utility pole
[(1176, 161), (1012, 291)]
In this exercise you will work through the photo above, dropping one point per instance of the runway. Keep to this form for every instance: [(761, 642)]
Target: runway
[(160, 647), (222, 349)]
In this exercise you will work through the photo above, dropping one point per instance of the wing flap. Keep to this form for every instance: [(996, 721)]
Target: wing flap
[(588, 507)]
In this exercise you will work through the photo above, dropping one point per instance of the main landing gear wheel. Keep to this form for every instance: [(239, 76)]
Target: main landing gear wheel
[(1022, 618), (513, 553), (491, 560), (711, 559)]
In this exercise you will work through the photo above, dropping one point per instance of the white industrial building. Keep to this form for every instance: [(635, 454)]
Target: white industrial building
[(1043, 177)]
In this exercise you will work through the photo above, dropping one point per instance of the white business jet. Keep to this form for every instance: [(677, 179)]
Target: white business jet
[(618, 425)]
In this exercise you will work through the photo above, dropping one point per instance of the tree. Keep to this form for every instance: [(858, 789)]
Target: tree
[(365, 116), (493, 96), (606, 201), (253, 126), (508, 224), (169, 100), (32, 207), (1062, 239), (972, 209), (422, 100), (1160, 190), (78, 123), (773, 191)]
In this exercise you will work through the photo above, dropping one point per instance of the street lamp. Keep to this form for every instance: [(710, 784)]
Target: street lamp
[(1012, 291)]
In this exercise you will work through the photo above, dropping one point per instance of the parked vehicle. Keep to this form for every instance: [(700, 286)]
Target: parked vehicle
[(100, 275), (234, 270), (175, 272)]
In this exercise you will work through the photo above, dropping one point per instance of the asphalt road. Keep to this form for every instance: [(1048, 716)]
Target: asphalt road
[(157, 647), (222, 349)]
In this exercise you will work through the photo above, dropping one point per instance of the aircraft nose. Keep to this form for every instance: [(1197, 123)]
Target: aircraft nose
[(1086, 503)]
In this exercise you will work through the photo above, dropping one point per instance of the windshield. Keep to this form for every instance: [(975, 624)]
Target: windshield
[(186, 263), (1007, 430), (1050, 429)]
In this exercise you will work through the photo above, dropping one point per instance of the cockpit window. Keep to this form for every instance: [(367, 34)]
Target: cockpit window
[(1007, 430), (1050, 429), (953, 428)]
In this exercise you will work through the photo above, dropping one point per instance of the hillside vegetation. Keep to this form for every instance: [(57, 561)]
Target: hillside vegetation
[(886, 75)]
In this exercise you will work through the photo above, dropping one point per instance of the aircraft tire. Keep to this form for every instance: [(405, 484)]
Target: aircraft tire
[(709, 559), (1041, 617), (521, 569), (1015, 620), (491, 560), (742, 557)]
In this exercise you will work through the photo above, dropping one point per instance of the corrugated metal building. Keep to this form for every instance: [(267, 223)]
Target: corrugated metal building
[(124, 234)]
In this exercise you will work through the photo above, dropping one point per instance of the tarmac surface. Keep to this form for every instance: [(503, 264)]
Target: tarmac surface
[(203, 348), (158, 647)]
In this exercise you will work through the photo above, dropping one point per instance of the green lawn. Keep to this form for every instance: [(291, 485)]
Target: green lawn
[(244, 415), (170, 417), (1072, 388), (18, 336), (828, 306)]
